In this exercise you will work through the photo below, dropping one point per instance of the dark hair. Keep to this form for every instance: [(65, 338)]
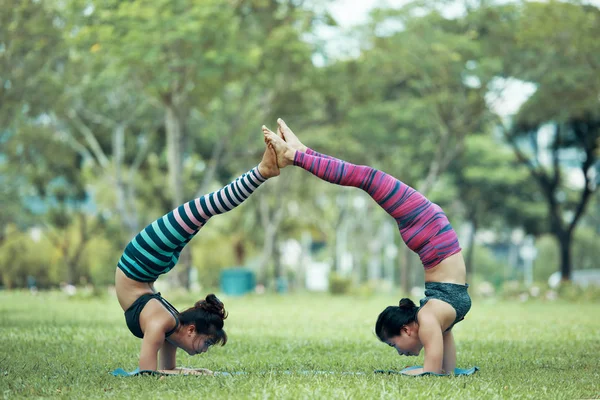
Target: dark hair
[(393, 318), (207, 316)]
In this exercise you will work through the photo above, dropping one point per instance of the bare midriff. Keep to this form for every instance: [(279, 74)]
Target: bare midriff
[(450, 270), (129, 290)]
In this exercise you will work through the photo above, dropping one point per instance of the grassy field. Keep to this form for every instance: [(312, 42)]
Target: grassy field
[(55, 346)]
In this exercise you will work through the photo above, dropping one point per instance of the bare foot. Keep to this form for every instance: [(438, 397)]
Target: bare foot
[(285, 152), (268, 167), (286, 133)]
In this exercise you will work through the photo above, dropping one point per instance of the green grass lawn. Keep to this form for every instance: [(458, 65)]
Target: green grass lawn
[(54, 346)]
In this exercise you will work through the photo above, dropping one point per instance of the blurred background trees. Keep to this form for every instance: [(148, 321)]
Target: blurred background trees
[(113, 113)]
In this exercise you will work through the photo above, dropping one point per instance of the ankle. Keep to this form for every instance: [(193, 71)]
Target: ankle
[(290, 156)]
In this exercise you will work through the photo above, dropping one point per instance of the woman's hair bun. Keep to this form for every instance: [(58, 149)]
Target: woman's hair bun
[(407, 304), (213, 305)]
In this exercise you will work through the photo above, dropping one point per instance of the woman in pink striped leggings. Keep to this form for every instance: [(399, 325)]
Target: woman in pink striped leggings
[(425, 229)]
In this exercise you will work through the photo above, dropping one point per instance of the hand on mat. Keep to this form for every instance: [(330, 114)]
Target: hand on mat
[(195, 371), (415, 371)]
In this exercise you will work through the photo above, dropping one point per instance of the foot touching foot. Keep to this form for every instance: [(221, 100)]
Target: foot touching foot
[(286, 133), (268, 165), (285, 153)]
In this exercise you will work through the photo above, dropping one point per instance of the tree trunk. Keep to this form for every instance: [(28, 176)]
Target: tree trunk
[(404, 283), (128, 218), (270, 220), (175, 182), (267, 253), (565, 239), (279, 273), (271, 216), (70, 268), (174, 150)]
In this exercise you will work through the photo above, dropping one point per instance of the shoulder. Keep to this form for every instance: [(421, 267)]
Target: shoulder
[(436, 312), (155, 317), (427, 315)]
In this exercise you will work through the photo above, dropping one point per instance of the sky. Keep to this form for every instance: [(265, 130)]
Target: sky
[(352, 12)]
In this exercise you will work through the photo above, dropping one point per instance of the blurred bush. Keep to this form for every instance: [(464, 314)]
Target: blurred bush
[(339, 284), (22, 256)]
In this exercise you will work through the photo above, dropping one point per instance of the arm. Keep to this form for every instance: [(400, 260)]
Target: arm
[(154, 338), (449, 362), (167, 355), (430, 334)]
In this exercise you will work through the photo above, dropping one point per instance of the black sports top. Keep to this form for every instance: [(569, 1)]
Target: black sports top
[(132, 315)]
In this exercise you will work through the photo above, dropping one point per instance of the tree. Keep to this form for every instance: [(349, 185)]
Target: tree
[(30, 60), (55, 196), (50, 188), (556, 131), (404, 104), (494, 189)]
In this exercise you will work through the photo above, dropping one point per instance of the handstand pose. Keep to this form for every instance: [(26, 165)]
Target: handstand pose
[(155, 251), (425, 229)]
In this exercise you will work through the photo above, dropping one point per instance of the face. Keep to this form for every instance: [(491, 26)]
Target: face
[(407, 343), (194, 343)]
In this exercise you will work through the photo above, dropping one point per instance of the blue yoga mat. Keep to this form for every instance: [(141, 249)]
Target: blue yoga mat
[(457, 371), (137, 372)]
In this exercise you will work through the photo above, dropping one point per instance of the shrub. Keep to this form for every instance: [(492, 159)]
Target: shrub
[(339, 284)]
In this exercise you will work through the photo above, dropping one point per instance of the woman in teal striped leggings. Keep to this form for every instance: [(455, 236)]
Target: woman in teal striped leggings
[(155, 251)]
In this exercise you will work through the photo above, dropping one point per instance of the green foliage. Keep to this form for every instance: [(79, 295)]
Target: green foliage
[(488, 268), (339, 284), (553, 41), (586, 253), (558, 127), (576, 293), (31, 54), (172, 47), (85, 89), (212, 252), (101, 257), (586, 249), (488, 166), (21, 256), (368, 289)]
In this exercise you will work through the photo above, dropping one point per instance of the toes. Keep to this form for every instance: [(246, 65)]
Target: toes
[(282, 125), (269, 136), (266, 130)]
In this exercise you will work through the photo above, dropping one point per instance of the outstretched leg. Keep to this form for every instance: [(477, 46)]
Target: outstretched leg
[(418, 219), (156, 249)]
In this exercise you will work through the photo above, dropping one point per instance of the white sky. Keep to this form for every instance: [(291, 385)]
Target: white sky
[(353, 12)]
